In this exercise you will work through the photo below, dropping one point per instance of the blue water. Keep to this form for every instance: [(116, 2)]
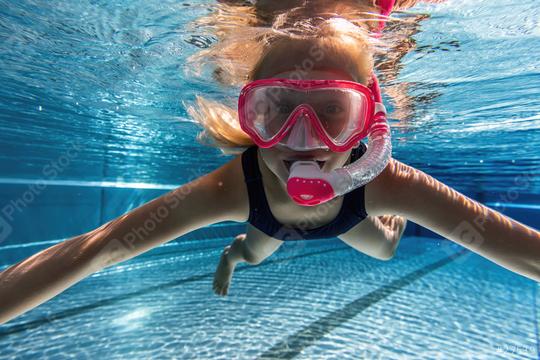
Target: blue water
[(91, 108)]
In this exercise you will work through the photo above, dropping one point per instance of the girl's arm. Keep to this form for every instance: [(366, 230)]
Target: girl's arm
[(206, 200), (403, 190)]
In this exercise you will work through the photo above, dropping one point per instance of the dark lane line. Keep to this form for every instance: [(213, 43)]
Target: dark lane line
[(309, 335), (10, 330)]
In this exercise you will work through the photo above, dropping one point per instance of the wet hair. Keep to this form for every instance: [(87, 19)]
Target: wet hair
[(248, 49)]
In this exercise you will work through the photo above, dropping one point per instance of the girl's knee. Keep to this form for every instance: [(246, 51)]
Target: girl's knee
[(386, 253), (392, 238), (250, 256), (388, 250)]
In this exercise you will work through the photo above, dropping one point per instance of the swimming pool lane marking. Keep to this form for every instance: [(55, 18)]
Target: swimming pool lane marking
[(80, 183), (17, 328), (310, 334), (6, 330), (511, 205)]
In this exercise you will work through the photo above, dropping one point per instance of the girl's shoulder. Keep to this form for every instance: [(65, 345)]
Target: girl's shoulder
[(228, 180)]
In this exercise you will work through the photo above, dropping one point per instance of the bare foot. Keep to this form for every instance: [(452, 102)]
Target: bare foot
[(223, 275), (225, 268), (396, 224), (401, 224)]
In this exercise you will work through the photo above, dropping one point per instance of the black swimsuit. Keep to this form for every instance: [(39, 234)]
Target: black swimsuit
[(351, 213)]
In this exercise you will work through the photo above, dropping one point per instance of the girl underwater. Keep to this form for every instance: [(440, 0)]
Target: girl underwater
[(309, 97)]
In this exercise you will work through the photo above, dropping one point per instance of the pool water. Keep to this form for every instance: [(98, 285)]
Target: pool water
[(93, 123), (311, 300)]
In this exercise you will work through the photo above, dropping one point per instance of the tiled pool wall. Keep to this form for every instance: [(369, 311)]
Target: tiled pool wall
[(43, 216)]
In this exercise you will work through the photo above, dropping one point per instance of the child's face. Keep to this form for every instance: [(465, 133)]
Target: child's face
[(279, 158)]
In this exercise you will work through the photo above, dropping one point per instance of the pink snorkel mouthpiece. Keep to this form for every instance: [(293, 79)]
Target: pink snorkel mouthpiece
[(306, 186)]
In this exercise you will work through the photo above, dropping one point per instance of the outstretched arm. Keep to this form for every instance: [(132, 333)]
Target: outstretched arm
[(409, 192), (204, 201)]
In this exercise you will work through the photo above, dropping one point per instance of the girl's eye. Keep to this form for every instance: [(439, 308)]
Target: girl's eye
[(333, 109), (261, 107)]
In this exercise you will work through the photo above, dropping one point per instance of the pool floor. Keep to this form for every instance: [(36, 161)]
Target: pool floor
[(310, 300)]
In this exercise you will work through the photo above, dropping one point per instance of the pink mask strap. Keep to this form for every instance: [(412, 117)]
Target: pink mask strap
[(386, 8), (375, 89)]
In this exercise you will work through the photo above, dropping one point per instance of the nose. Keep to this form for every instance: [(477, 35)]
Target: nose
[(303, 136)]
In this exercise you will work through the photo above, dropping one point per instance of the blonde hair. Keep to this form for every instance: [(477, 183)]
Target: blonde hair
[(247, 50)]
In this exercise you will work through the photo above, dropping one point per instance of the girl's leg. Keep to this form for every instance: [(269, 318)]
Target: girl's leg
[(253, 248), (377, 237)]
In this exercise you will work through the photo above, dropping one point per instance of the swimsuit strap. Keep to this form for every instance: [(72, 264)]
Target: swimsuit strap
[(258, 203)]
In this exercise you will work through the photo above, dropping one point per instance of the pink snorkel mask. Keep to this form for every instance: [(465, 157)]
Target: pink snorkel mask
[(306, 114), (318, 114)]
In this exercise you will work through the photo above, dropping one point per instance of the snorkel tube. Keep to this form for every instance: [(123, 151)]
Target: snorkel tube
[(308, 185)]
